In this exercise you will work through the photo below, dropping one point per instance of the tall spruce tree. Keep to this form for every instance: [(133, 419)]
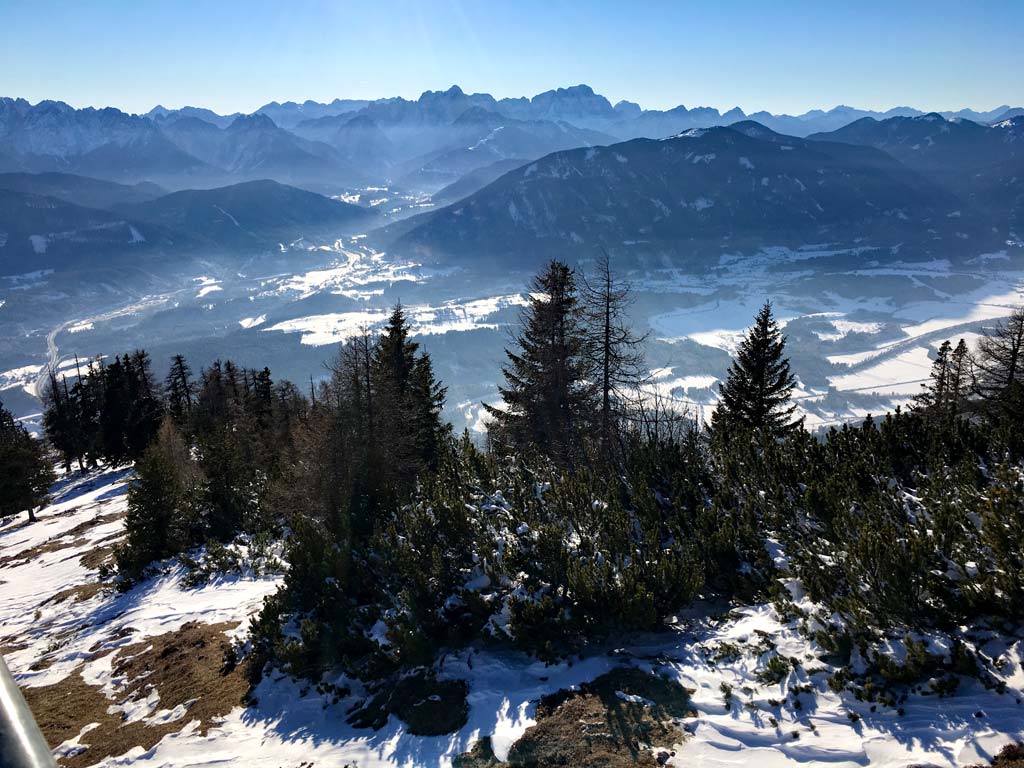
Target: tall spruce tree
[(25, 473), (756, 394), (548, 394), (409, 399), (179, 390), (161, 519)]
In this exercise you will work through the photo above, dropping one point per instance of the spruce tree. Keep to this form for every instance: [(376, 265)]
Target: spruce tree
[(160, 520), (179, 390), (25, 473), (58, 420), (756, 393), (548, 395), (409, 400)]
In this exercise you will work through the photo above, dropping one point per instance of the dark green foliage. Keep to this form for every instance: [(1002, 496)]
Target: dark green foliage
[(111, 411), (547, 400), (756, 394), (161, 501), (428, 706), (404, 541), (25, 472)]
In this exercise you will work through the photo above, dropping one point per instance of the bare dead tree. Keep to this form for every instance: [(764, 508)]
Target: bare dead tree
[(614, 350), (1000, 361)]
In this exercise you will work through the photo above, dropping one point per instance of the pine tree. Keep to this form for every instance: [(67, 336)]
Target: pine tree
[(548, 397), (934, 395), (947, 387), (146, 408), (614, 350), (180, 390), (409, 400), (160, 520), (25, 473), (756, 394), (58, 420)]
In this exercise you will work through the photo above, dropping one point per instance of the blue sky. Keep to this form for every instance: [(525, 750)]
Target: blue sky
[(781, 56)]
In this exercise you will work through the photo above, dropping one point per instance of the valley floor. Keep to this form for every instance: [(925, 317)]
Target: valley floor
[(140, 678)]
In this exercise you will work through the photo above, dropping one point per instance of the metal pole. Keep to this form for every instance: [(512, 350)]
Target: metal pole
[(21, 743)]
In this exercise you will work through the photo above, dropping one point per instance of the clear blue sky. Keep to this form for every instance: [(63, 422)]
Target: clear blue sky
[(782, 56)]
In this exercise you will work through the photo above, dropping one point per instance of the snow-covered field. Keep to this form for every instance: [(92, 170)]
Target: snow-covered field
[(47, 640), (875, 329)]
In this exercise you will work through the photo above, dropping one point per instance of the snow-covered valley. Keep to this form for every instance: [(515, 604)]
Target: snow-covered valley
[(860, 331)]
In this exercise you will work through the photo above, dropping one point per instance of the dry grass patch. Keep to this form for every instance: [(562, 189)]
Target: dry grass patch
[(189, 667), (98, 556), (624, 718), (71, 538), (79, 593)]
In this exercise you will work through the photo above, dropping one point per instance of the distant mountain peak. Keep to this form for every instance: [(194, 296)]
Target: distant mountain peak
[(255, 121)]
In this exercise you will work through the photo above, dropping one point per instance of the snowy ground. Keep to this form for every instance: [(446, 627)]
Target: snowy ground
[(46, 640)]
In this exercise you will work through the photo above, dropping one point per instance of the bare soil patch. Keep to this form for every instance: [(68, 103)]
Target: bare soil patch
[(190, 667), (622, 719)]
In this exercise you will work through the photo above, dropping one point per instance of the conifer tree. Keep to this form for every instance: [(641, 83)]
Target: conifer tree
[(25, 473), (410, 401), (548, 397), (160, 520), (59, 420), (948, 385), (756, 394), (180, 390)]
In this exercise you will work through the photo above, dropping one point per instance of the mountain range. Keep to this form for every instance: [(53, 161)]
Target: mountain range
[(420, 145), (565, 171)]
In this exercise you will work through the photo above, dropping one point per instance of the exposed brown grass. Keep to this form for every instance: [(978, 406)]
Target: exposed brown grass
[(187, 667), (79, 593), (97, 556), (594, 726), (68, 539)]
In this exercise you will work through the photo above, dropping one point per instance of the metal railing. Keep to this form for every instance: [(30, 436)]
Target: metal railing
[(21, 743)]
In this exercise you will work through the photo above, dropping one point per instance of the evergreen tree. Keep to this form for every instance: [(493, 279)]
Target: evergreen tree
[(409, 400), (25, 473), (180, 391), (161, 520), (59, 421), (548, 396), (756, 393), (146, 408), (949, 383)]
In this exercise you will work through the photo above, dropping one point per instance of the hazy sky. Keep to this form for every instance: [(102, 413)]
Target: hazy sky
[(781, 56)]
